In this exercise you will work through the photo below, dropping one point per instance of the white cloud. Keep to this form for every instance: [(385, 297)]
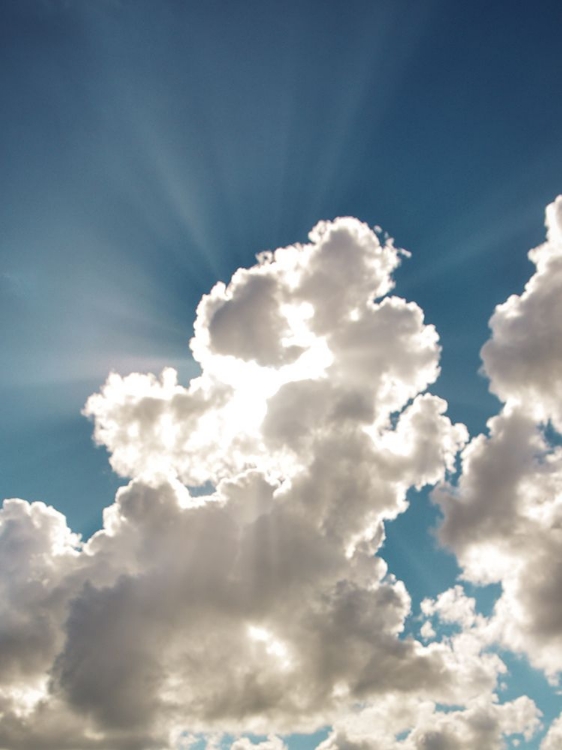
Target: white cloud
[(38, 555), (553, 738), (523, 359), (263, 606), (504, 520), (271, 743), (398, 723), (413, 722)]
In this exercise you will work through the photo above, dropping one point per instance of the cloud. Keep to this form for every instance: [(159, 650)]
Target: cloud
[(271, 743), (398, 724), (504, 519), (523, 358), (553, 738), (409, 722), (38, 555), (262, 606)]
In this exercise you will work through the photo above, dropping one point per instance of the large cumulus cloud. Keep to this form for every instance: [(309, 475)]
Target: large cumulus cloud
[(261, 606), (504, 519)]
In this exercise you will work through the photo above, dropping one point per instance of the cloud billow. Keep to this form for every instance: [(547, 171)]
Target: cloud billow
[(504, 520), (263, 606)]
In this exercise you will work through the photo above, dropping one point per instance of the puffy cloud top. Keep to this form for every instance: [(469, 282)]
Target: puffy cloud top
[(523, 358)]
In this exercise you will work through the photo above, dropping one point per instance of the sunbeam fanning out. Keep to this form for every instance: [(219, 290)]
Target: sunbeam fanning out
[(263, 607)]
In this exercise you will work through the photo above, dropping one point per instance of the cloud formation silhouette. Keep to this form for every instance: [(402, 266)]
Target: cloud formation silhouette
[(263, 606)]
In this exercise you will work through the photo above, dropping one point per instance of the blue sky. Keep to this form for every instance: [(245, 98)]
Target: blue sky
[(150, 149)]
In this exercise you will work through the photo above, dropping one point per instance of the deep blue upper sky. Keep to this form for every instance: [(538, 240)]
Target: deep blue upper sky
[(150, 148)]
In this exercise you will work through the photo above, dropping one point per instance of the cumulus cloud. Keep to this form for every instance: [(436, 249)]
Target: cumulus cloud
[(523, 358), (504, 518), (262, 606), (407, 724), (553, 739), (271, 743)]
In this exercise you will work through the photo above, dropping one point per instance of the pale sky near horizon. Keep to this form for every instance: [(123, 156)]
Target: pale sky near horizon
[(149, 150)]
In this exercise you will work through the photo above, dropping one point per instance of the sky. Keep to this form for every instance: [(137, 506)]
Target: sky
[(280, 322)]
